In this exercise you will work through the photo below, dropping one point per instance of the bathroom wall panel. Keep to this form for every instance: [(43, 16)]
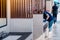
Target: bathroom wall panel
[(0, 8), (3, 6), (21, 8)]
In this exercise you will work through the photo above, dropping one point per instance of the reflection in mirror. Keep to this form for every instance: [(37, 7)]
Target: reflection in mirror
[(3, 15)]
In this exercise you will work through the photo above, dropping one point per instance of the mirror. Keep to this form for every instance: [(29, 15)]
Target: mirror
[(3, 13)]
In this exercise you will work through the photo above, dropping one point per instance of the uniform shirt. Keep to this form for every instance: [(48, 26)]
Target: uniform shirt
[(55, 9), (45, 16)]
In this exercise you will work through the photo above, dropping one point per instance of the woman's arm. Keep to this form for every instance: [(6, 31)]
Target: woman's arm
[(47, 17)]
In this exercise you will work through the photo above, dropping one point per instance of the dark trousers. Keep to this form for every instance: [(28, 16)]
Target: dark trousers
[(50, 25), (55, 18)]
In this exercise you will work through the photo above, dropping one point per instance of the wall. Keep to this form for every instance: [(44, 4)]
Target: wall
[(6, 28), (21, 25), (17, 25), (37, 25), (2, 21), (58, 16), (49, 5)]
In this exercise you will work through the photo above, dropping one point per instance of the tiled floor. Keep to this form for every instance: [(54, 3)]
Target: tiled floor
[(55, 35), (18, 36), (12, 37)]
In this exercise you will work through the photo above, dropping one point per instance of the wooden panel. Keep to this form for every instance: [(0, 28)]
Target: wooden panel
[(2, 8), (21, 8)]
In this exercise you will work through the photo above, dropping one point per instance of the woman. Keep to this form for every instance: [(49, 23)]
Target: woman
[(48, 17)]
